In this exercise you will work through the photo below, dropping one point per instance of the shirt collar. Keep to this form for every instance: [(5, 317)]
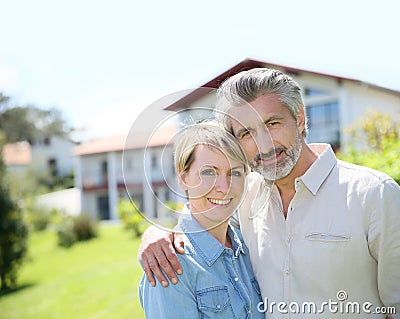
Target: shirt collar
[(320, 169), (203, 242)]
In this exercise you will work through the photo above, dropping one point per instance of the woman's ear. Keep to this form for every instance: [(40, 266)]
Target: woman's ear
[(181, 180)]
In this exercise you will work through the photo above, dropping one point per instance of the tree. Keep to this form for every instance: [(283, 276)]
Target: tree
[(375, 143), (29, 122), (13, 233)]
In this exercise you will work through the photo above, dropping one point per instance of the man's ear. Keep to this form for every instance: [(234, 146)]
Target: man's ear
[(301, 121)]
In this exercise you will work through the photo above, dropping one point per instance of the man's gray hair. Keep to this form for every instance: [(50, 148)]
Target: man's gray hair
[(247, 86)]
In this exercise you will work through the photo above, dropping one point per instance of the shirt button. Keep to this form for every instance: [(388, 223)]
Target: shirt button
[(248, 311), (218, 306), (286, 272), (236, 279)]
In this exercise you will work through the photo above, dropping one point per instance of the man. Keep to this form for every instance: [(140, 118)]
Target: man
[(324, 238)]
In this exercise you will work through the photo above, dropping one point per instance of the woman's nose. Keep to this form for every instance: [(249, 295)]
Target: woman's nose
[(222, 184)]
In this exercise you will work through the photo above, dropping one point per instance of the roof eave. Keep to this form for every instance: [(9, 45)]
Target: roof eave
[(248, 64)]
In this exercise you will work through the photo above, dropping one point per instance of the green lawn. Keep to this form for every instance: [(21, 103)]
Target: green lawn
[(91, 280)]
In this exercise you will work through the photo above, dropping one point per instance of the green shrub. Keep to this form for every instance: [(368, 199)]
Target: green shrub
[(56, 217), (65, 234), (40, 218), (386, 161), (13, 232), (375, 143), (13, 245), (73, 229), (174, 206), (131, 216), (83, 228)]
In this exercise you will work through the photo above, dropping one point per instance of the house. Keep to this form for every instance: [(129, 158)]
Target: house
[(48, 155), (332, 102), (138, 166), (44, 159), (53, 154), (17, 157)]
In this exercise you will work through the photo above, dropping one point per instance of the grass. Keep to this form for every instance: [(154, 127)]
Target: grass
[(91, 280)]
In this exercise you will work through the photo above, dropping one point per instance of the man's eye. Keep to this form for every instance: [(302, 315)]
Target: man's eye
[(208, 172), (271, 124), (245, 134)]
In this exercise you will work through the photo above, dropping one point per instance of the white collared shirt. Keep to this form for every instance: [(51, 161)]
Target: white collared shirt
[(339, 246)]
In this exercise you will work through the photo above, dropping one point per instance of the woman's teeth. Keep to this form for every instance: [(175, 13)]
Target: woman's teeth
[(220, 201)]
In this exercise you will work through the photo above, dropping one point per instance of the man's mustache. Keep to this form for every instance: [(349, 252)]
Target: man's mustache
[(269, 155)]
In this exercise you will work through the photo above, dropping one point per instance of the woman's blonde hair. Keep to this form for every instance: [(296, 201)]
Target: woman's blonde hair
[(205, 133)]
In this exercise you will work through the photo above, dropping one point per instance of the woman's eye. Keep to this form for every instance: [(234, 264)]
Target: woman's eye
[(208, 172), (236, 173)]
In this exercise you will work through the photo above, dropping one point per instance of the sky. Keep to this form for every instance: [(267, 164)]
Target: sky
[(103, 62)]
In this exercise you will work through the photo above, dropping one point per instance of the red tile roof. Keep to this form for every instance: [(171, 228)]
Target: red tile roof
[(19, 153), (134, 140)]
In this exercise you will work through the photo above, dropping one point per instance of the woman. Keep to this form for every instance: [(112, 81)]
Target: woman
[(218, 281)]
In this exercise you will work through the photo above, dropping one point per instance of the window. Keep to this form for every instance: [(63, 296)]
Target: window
[(128, 165), (104, 172), (154, 161), (314, 92), (323, 123), (103, 207), (155, 201), (47, 141), (52, 165)]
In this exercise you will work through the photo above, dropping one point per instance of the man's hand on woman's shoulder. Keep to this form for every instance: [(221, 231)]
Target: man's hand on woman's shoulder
[(157, 254)]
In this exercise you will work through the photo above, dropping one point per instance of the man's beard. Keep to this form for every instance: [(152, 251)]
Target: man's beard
[(281, 169)]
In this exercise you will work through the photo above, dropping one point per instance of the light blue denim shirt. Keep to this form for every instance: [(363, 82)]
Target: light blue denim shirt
[(217, 282)]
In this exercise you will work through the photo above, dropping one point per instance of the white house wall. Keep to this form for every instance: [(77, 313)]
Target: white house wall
[(128, 168), (315, 81), (67, 201), (89, 204), (59, 149), (362, 99), (162, 168), (200, 109), (358, 100), (132, 166), (91, 169)]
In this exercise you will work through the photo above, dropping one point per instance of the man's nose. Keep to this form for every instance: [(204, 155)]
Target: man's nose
[(263, 140)]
